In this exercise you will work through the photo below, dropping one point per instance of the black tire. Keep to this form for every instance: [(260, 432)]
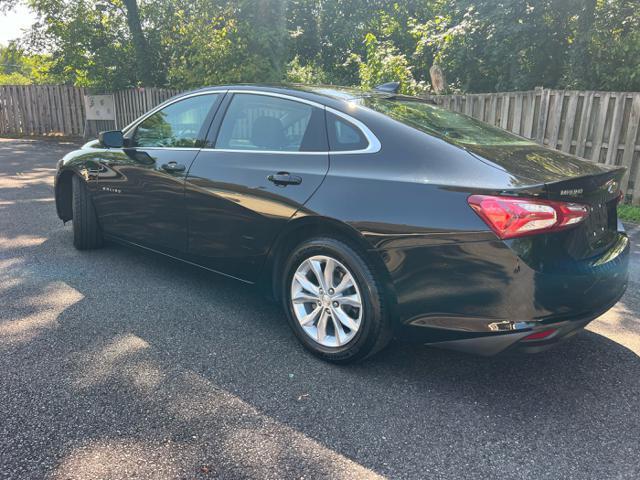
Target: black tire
[(375, 330), (86, 230)]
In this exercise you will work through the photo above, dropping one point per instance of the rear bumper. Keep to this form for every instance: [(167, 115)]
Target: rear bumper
[(488, 345), (481, 298)]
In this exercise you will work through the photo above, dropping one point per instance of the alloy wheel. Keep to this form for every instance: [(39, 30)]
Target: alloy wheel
[(326, 301)]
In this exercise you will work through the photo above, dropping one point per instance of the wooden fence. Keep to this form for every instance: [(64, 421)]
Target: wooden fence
[(59, 109), (602, 127)]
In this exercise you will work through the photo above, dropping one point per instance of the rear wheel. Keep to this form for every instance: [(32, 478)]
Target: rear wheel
[(86, 230), (333, 301)]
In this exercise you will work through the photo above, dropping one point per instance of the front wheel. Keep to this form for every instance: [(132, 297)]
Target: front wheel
[(334, 302), (86, 230)]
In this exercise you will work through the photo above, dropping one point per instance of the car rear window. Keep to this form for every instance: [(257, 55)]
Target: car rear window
[(454, 127)]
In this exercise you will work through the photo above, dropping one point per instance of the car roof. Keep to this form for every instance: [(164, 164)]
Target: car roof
[(330, 95)]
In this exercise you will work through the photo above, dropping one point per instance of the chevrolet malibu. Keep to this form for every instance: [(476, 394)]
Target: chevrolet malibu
[(367, 215)]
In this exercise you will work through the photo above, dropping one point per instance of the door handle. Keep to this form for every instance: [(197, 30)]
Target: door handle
[(173, 167), (284, 178)]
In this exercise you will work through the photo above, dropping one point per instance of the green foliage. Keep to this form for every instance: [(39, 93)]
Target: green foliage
[(18, 68), (482, 45), (309, 73), (629, 213), (15, 78), (384, 63)]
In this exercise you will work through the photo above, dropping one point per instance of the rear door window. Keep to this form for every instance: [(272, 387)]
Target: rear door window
[(267, 123)]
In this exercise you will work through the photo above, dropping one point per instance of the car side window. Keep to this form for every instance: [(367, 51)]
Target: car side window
[(343, 135), (266, 123), (175, 126)]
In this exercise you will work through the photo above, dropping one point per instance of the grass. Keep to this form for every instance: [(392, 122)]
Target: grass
[(629, 213)]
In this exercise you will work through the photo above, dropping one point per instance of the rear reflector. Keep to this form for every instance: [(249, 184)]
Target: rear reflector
[(540, 335), (511, 217)]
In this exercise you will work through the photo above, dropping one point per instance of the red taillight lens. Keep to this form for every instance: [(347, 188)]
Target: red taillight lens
[(511, 217)]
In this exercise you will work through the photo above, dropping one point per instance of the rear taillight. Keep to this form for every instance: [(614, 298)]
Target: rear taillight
[(511, 217)]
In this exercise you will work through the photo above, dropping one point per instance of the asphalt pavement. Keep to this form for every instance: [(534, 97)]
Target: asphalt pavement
[(121, 364)]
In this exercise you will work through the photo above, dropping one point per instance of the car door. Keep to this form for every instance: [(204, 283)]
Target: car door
[(270, 155), (140, 194)]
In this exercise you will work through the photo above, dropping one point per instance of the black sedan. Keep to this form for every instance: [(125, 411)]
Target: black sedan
[(368, 215)]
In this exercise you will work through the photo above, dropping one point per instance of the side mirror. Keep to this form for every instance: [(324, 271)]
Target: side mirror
[(111, 139)]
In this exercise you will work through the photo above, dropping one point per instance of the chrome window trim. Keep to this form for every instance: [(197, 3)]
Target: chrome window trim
[(374, 144), (273, 152), (373, 147), (186, 149)]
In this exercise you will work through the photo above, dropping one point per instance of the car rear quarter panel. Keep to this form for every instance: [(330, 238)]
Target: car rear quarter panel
[(448, 270)]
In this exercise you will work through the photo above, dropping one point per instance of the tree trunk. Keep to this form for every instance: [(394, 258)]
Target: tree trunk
[(581, 54), (141, 48)]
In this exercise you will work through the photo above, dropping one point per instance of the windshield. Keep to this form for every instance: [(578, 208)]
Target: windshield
[(437, 121)]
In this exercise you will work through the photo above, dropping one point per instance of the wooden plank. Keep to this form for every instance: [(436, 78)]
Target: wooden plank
[(599, 127), (630, 146), (543, 115), (55, 104), (72, 110), (24, 109), (504, 115), (66, 110), (468, 107), (569, 124), (79, 94), (616, 128), (29, 108), (481, 108), (14, 123), (556, 118), (22, 103), (585, 120), (530, 100), (75, 108), (45, 103), (493, 105), (35, 109), (517, 114), (3, 111)]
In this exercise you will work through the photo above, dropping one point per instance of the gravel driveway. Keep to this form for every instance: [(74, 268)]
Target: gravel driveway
[(121, 364)]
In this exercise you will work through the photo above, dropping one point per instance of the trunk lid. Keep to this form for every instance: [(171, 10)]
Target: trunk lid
[(601, 192), (566, 178)]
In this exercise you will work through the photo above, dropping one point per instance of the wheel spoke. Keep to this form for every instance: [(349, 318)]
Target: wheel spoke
[(317, 271), (322, 326), (304, 297), (329, 268), (345, 283), (338, 329), (308, 319), (352, 300), (302, 279), (345, 319)]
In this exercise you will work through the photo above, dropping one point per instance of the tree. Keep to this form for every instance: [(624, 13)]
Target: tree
[(143, 54), (481, 45)]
